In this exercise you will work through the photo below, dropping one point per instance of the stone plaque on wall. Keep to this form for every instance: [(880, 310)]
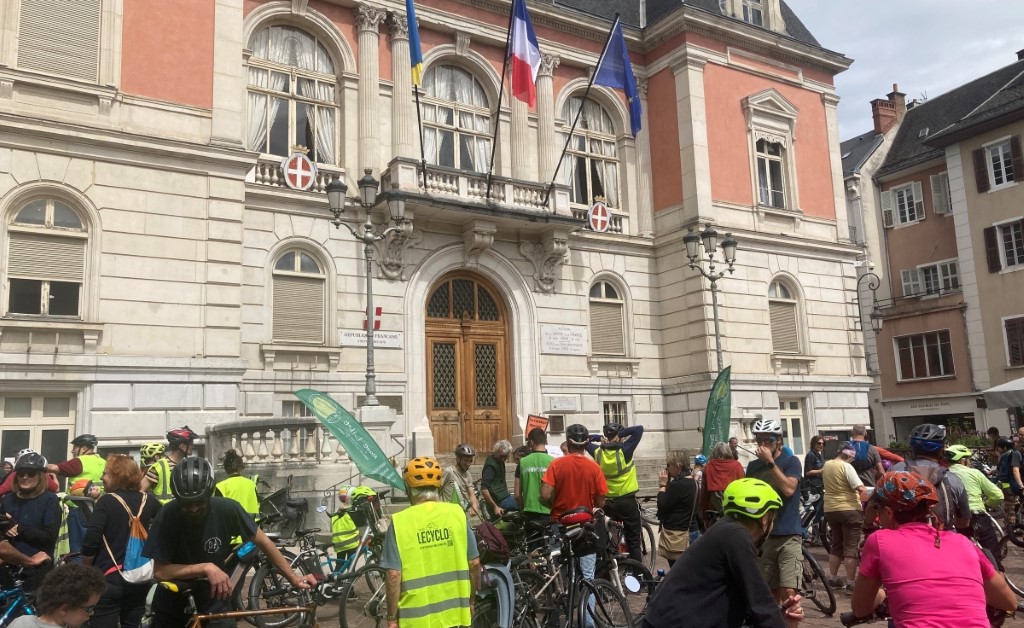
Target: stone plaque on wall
[(563, 339)]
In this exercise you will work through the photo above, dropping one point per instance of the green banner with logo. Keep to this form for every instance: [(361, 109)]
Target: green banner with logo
[(719, 412), (360, 446)]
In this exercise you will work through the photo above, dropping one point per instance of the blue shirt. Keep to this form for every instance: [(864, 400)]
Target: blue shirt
[(630, 439), (787, 522)]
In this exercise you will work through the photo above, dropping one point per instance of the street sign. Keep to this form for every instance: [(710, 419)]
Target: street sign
[(598, 217), (299, 171)]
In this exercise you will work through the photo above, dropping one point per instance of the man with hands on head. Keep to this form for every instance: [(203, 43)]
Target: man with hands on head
[(191, 539)]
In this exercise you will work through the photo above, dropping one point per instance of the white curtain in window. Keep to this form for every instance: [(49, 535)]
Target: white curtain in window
[(437, 144), (322, 119), (462, 87), (272, 49)]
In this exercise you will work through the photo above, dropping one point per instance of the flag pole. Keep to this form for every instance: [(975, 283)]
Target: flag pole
[(419, 122), (586, 92), (501, 92)]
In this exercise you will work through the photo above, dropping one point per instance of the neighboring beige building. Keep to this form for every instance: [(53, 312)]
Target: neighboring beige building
[(158, 271)]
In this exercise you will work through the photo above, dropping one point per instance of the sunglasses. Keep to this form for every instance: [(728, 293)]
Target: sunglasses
[(31, 473), (88, 609), (764, 439)]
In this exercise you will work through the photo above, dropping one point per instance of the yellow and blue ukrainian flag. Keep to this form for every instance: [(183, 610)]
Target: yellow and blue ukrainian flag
[(415, 50)]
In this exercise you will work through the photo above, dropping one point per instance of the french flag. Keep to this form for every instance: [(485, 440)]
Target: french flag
[(524, 53)]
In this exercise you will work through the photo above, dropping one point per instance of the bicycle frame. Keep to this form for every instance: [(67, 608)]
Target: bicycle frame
[(20, 602), (197, 621)]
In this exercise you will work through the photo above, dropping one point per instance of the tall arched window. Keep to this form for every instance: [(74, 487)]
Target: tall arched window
[(782, 309), (292, 98), (592, 159), (456, 119), (607, 318), (46, 260), (299, 298)]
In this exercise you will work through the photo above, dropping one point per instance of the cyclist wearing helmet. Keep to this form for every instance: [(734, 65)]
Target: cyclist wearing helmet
[(32, 514), (9, 485), (615, 457), (85, 464), (931, 577), (150, 453), (1008, 471), (699, 461), (191, 538), (574, 481), (781, 558), (431, 555), (457, 481), (927, 443), (981, 492), (717, 581), (158, 477)]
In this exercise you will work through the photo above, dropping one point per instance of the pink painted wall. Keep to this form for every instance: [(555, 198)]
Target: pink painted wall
[(169, 59), (729, 147), (663, 118)]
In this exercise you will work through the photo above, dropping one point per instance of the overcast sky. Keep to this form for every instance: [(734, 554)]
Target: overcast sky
[(927, 46)]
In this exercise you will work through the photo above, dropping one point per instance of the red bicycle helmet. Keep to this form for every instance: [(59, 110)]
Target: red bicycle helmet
[(181, 435)]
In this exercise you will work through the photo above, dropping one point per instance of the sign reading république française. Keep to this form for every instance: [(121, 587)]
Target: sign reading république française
[(381, 339), (563, 339)]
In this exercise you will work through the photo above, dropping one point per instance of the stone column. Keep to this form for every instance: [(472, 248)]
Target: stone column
[(521, 158), (693, 138), (547, 146), (645, 201), (368, 19), (403, 131), (831, 101), (229, 100)]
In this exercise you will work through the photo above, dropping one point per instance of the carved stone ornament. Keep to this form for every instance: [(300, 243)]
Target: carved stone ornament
[(299, 6), (641, 87), (391, 251), (462, 41), (399, 26), (477, 238), (546, 256), (369, 17), (548, 63)]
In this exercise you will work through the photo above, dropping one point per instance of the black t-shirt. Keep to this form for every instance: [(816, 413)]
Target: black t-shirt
[(719, 576), (110, 520), (676, 504)]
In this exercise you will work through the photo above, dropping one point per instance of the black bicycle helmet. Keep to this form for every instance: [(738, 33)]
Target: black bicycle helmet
[(465, 450), (577, 434), (30, 462), (928, 438), (611, 430), (182, 435), (192, 479), (85, 440), (1004, 443)]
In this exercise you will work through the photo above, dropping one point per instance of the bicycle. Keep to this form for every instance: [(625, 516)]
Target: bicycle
[(15, 601), (279, 512), (625, 573), (814, 584), (814, 528), (306, 613), (647, 511), (648, 542)]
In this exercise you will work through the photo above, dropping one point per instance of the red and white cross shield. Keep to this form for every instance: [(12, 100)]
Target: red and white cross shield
[(299, 171), (376, 319), (598, 217)]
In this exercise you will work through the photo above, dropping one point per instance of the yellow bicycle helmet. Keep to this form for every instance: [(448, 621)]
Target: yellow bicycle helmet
[(422, 473), (958, 452), (151, 449), (750, 498)]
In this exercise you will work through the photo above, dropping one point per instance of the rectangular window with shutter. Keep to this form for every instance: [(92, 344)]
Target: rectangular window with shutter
[(60, 37), (995, 262), (909, 206), (606, 330), (1014, 328), (1000, 164), (923, 356), (942, 200), (911, 280), (298, 309), (45, 274), (784, 329), (1011, 240)]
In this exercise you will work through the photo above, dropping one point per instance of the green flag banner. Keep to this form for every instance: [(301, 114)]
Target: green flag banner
[(718, 414), (362, 449)]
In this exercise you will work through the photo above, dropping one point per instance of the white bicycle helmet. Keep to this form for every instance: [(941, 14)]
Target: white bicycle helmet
[(767, 426)]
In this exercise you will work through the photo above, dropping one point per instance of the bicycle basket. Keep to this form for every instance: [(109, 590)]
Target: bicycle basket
[(295, 508)]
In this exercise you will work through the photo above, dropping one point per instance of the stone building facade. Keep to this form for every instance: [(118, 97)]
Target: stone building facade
[(158, 271)]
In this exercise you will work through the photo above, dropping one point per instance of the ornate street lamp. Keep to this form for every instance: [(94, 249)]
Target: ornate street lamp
[(708, 240)]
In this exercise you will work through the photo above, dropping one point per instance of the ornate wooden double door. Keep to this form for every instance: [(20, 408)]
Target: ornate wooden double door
[(467, 364)]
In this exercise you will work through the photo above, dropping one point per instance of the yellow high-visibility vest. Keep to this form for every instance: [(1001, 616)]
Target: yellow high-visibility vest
[(92, 469), (243, 491), (162, 489), (432, 546), (619, 474), (344, 533)]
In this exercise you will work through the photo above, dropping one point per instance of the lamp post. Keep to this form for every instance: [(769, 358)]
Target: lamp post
[(336, 196), (876, 313), (708, 239)]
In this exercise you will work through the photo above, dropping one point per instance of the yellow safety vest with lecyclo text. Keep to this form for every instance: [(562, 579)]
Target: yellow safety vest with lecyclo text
[(162, 490), (618, 474), (432, 546)]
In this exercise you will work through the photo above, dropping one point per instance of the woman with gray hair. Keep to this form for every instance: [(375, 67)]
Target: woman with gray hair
[(493, 484), (720, 470)]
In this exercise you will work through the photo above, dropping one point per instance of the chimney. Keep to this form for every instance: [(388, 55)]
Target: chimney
[(1020, 55), (887, 113)]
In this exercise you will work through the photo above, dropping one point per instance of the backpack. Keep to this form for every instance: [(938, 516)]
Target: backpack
[(493, 547), (944, 510), (135, 568), (860, 462)]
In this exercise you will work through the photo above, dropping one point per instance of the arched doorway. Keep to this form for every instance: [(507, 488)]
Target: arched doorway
[(467, 354)]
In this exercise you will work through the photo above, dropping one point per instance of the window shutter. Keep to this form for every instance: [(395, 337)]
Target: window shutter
[(980, 170), (887, 208), (940, 194), (1018, 159), (606, 328), (1014, 341), (918, 200), (298, 309), (992, 250), (783, 319), (35, 256), (60, 37)]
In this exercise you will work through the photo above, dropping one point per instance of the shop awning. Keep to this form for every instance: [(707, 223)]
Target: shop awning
[(1008, 395)]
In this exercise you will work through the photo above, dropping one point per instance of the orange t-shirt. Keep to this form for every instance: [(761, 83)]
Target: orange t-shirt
[(577, 480)]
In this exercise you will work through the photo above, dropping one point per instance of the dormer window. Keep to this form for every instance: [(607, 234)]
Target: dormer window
[(753, 12)]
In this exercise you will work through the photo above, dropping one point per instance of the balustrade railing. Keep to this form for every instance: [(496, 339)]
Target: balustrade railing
[(268, 172), (473, 185), (278, 441), (618, 223)]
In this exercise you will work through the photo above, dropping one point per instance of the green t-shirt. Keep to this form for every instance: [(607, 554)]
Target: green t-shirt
[(530, 471), (979, 488)]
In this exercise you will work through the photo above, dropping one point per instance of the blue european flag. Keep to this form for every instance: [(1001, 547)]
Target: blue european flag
[(615, 71)]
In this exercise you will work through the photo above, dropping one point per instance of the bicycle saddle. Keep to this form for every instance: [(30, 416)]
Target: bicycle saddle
[(305, 531), (575, 516), (178, 586)]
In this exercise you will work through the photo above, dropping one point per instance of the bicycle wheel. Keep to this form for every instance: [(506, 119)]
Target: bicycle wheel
[(814, 585), (1012, 558), (627, 567), (599, 601), (268, 589), (534, 594), (650, 546), (240, 596), (650, 513), (363, 602)]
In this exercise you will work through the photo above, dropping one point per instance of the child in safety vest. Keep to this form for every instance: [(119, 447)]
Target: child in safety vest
[(344, 528)]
